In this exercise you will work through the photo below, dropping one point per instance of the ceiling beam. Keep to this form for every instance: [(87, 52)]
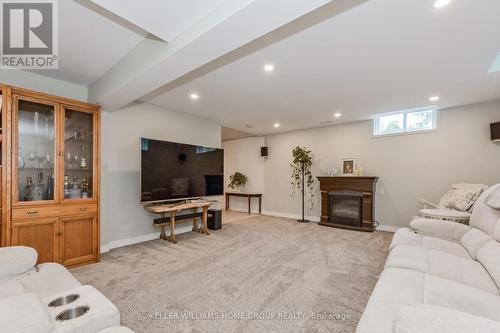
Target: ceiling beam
[(155, 63)]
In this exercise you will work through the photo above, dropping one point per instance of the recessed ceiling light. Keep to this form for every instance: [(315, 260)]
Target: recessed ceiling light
[(276, 125), (434, 98), (194, 96), (269, 68), (441, 3), (337, 115)]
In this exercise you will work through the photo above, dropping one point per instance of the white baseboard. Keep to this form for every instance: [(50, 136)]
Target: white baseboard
[(187, 228), (388, 228), (290, 216), (140, 239)]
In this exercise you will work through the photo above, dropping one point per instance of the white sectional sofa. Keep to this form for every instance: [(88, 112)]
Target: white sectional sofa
[(440, 276), (26, 289)]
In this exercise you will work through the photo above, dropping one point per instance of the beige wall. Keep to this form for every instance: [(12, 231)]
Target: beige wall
[(409, 166), (244, 156), (123, 219)]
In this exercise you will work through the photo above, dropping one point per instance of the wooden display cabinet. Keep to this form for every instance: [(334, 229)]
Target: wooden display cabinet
[(50, 176)]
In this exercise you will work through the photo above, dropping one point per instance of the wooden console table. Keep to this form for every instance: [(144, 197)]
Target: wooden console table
[(245, 195), (171, 210)]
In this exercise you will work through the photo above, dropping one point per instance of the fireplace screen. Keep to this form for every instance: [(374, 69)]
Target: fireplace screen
[(346, 207)]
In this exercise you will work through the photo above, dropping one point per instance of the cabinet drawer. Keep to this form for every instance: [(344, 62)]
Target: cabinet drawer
[(19, 214)]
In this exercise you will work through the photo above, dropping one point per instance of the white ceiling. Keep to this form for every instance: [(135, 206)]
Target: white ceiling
[(381, 56), (164, 19), (90, 43)]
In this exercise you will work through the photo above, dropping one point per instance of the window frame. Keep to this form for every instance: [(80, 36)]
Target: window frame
[(406, 130)]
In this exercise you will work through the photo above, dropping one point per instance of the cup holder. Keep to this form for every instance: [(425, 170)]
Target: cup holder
[(64, 300), (72, 313)]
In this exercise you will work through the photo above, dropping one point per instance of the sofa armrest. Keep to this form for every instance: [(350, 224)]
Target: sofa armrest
[(16, 261), (429, 318), (439, 228)]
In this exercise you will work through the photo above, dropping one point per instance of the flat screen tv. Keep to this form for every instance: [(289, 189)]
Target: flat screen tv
[(171, 170)]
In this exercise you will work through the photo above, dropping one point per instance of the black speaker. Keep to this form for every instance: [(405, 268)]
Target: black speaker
[(264, 152), (495, 132), (214, 219)]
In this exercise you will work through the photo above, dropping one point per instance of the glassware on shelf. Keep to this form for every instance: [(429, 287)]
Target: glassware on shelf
[(32, 159), (75, 157), (20, 159), (35, 123), (83, 159), (28, 190), (39, 189), (85, 187), (66, 187), (69, 160), (75, 191), (47, 160), (79, 127), (50, 188), (40, 157), (36, 115)]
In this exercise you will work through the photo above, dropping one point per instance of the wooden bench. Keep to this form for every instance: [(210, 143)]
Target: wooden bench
[(169, 212)]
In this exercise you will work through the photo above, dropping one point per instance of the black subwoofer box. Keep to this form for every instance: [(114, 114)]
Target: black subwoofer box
[(214, 219)]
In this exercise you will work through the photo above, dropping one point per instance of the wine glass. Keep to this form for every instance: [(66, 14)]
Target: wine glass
[(32, 159), (75, 157), (47, 159), (69, 160), (40, 157)]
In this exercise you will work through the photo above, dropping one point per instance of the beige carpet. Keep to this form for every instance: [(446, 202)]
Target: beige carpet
[(257, 274)]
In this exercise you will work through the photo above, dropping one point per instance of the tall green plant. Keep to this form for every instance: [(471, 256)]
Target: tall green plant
[(301, 157)]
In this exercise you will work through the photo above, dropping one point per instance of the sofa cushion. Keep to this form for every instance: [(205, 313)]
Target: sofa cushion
[(473, 240), (49, 279), (405, 236), (117, 329), (456, 249), (16, 261), (395, 288), (489, 257), (11, 288), (24, 313), (454, 295), (466, 271), (420, 318)]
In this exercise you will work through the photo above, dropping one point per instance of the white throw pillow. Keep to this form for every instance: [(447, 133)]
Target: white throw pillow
[(493, 200), (459, 199)]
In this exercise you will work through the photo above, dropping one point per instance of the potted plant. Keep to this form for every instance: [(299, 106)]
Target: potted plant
[(237, 180), (301, 175)]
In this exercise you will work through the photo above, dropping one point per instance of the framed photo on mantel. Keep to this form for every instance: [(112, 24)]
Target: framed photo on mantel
[(348, 166)]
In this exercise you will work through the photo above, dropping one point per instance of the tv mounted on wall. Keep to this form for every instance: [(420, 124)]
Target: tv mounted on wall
[(171, 170)]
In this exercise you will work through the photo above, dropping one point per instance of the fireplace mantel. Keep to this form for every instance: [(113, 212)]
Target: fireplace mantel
[(362, 184)]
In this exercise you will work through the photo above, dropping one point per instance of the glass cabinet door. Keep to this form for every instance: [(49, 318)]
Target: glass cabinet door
[(34, 150), (79, 168)]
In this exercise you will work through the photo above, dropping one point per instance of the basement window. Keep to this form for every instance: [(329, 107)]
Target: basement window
[(405, 122)]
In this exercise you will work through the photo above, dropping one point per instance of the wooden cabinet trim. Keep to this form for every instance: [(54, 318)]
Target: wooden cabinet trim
[(34, 212)]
